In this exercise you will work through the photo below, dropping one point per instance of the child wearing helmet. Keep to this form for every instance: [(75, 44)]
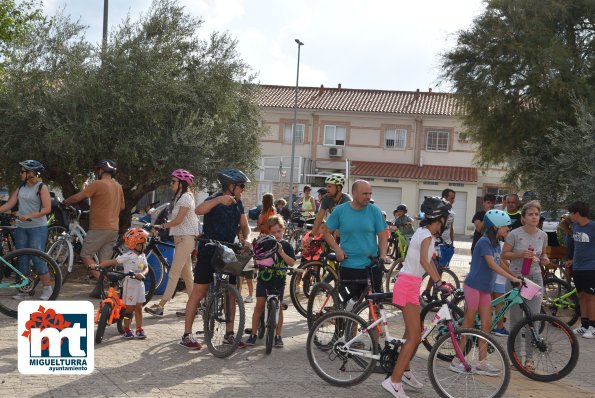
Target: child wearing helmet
[(479, 284), (133, 289), (333, 198), (402, 221), (406, 289), (272, 255)]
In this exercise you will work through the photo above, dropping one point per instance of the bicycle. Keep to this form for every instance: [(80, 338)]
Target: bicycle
[(560, 299), (314, 271), (6, 234), (224, 311), (343, 350), (111, 307), (542, 333), (12, 280)]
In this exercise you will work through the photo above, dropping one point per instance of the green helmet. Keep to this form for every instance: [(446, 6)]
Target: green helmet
[(335, 179)]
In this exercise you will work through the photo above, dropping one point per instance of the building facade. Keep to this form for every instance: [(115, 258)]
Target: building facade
[(407, 144)]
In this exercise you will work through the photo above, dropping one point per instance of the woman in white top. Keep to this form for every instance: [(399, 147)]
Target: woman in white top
[(184, 229)]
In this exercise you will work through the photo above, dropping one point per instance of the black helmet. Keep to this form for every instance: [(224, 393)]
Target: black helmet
[(32, 165), (434, 207), (232, 176), (322, 191), (109, 166), (402, 207)]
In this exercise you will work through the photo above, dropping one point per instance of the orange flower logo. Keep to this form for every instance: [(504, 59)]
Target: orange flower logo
[(43, 319)]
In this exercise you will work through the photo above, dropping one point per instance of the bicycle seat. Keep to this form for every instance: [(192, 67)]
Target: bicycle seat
[(379, 296)]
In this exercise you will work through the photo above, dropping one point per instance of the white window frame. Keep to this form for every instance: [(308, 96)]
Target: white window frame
[(299, 135), (437, 137), (330, 131), (400, 137)]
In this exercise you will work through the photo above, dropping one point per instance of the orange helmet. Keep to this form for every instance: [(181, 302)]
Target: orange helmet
[(134, 236)]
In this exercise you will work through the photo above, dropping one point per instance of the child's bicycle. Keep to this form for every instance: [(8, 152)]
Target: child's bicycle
[(540, 346), (343, 350), (112, 308)]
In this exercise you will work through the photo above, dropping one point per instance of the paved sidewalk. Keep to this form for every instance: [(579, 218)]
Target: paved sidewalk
[(159, 367)]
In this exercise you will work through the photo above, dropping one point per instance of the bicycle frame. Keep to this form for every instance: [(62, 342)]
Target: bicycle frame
[(117, 305), (24, 279)]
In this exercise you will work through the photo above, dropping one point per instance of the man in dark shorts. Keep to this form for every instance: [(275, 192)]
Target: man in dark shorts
[(583, 266), (223, 216)]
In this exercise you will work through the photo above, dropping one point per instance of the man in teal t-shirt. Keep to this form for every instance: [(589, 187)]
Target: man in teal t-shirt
[(362, 229)]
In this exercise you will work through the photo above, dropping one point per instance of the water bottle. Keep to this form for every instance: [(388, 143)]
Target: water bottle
[(527, 262)]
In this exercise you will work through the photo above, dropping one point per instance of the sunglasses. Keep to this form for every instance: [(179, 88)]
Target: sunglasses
[(174, 181)]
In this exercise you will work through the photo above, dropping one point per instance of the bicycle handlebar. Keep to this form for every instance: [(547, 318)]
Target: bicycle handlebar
[(129, 274)]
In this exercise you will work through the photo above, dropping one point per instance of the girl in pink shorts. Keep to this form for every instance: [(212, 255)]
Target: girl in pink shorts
[(406, 290), (479, 284)]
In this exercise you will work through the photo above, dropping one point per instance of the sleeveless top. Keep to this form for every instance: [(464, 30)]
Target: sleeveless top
[(30, 202)]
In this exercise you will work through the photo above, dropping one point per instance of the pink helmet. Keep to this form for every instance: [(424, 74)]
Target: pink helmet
[(183, 175)]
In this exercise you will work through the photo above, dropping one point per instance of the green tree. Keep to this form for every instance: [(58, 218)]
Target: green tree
[(564, 171), (155, 99), (517, 70), (15, 18)]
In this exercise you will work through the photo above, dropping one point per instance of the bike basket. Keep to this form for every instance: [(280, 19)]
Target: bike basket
[(224, 260), (531, 290)]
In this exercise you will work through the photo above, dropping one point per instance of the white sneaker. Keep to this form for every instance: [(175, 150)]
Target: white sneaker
[(590, 333), (396, 389), (457, 366), (46, 293), (22, 296), (487, 369), (248, 299), (580, 330), (409, 378)]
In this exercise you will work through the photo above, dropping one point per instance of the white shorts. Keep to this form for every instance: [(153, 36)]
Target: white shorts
[(133, 291)]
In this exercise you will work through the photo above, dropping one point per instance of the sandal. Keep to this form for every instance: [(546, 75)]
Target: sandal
[(530, 365)]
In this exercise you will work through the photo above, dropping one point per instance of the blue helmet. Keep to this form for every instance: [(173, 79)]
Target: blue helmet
[(496, 218), (32, 165), (232, 176)]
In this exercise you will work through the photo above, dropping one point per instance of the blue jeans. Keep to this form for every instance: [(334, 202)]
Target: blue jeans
[(34, 238)]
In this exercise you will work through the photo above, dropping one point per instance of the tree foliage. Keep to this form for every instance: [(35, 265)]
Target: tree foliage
[(155, 99), (518, 69), (564, 171), (15, 18)]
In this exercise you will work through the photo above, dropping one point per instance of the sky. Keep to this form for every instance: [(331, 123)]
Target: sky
[(373, 44)]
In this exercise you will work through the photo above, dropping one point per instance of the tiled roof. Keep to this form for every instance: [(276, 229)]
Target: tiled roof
[(414, 172), (355, 100)]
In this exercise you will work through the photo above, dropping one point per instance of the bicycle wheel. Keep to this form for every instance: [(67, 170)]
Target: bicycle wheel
[(225, 312), (150, 285), (271, 325), (7, 242), (427, 315), (104, 314), (391, 276), (566, 309), (554, 350), (447, 275), (60, 251), (120, 323), (33, 290), (323, 299), (300, 285), (475, 383), (54, 232), (335, 361)]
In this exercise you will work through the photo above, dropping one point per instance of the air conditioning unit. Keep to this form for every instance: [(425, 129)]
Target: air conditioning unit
[(335, 152)]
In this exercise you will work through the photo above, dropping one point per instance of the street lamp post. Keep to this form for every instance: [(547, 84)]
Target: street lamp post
[(297, 79)]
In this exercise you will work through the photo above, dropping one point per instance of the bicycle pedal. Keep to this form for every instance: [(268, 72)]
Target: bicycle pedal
[(284, 306)]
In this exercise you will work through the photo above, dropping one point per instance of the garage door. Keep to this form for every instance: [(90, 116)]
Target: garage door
[(387, 199), (459, 207)]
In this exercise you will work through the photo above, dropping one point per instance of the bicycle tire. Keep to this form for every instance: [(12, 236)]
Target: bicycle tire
[(391, 275), (427, 315), (447, 275), (295, 241), (54, 233), (554, 333), (299, 296), (271, 326), (60, 252), (325, 340), (104, 314), (215, 321), (120, 323), (443, 385), (8, 305), (322, 294), (567, 310), (161, 278)]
